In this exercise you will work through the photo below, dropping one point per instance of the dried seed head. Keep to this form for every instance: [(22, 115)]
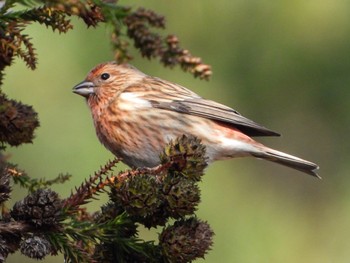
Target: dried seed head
[(17, 122), (186, 240), (138, 195), (187, 155), (181, 195), (42, 208), (36, 247)]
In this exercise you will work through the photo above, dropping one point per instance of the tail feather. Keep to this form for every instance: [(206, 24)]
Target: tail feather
[(288, 160)]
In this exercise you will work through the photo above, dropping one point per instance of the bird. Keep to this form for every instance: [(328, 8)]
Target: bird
[(135, 115)]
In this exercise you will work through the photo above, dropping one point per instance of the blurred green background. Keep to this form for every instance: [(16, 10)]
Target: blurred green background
[(284, 64)]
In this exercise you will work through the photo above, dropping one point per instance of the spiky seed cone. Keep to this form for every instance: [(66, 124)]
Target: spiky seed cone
[(186, 240), (181, 195), (138, 195), (36, 247), (42, 207), (187, 155), (17, 122)]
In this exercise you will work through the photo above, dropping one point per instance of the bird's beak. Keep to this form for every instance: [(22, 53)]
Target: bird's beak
[(84, 88)]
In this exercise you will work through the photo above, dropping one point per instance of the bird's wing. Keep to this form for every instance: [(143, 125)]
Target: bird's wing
[(169, 96), (215, 111)]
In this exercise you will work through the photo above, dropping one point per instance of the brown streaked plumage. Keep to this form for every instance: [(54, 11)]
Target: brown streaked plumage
[(135, 115)]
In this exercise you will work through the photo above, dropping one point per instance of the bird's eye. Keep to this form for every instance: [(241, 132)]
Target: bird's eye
[(105, 76)]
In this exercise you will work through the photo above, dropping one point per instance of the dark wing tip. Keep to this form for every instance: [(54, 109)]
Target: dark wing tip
[(314, 172), (255, 132)]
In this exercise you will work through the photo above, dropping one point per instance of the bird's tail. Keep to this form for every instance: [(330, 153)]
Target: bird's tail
[(287, 160)]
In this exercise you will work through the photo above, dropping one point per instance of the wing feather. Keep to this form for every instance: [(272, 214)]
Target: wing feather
[(215, 111), (169, 96)]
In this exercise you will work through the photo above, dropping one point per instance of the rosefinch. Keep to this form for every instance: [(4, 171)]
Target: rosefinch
[(135, 115)]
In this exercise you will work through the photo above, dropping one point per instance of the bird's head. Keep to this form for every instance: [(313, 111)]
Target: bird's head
[(106, 79)]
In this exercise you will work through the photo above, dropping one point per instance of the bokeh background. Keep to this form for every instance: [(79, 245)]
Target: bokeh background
[(284, 64)]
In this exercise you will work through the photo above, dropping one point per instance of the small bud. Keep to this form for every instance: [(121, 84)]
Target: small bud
[(172, 40), (203, 71), (91, 16), (186, 240), (36, 247)]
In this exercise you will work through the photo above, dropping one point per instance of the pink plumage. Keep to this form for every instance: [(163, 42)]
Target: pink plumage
[(135, 115)]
